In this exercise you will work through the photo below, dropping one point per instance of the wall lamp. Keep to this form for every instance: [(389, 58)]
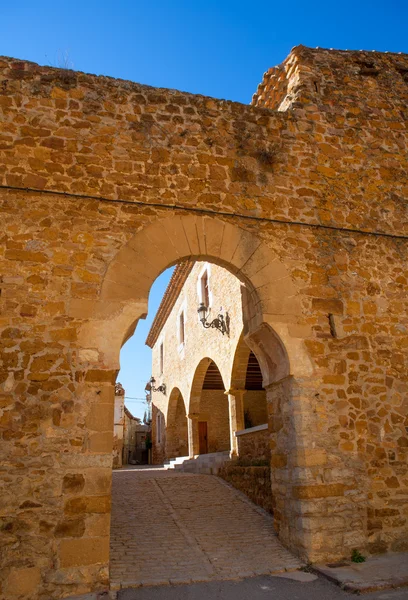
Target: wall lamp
[(218, 323), (150, 386)]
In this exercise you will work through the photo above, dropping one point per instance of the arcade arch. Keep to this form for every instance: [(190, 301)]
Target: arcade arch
[(176, 426), (209, 414)]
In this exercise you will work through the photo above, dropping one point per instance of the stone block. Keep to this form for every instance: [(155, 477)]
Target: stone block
[(87, 504), (309, 457), (305, 492), (328, 305), (84, 551), (100, 417), (100, 376), (23, 582), (101, 442)]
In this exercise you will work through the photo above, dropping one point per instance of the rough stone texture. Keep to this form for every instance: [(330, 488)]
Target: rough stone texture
[(253, 481), (77, 271), (254, 445), (189, 528)]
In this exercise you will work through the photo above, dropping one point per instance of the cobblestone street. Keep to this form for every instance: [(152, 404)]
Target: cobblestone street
[(170, 527)]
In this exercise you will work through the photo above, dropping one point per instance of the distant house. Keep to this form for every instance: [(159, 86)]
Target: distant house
[(131, 436)]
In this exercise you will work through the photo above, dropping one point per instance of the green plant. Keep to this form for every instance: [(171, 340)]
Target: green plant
[(357, 557)]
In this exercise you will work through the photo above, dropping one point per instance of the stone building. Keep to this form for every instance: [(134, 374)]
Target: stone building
[(130, 435), (302, 195), (135, 440), (118, 423), (209, 394)]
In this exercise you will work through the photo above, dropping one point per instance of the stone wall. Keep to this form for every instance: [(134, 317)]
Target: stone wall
[(306, 205), (253, 481), (159, 454), (253, 444), (255, 405), (177, 431)]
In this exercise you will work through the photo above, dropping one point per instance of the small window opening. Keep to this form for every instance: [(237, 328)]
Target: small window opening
[(181, 328)]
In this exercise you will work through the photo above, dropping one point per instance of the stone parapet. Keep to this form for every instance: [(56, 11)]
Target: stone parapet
[(253, 443)]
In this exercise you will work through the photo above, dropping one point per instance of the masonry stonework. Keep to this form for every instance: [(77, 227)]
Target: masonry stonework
[(303, 196)]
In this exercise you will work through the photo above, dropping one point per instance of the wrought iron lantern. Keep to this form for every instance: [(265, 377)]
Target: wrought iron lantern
[(151, 387), (218, 323)]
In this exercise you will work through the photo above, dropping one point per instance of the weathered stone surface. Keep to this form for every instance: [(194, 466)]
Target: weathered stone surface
[(84, 551), (254, 482), (334, 155)]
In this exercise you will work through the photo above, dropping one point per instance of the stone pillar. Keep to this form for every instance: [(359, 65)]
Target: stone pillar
[(236, 416), (193, 441), (86, 488)]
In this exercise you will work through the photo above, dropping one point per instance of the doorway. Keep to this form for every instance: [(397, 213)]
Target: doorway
[(202, 437)]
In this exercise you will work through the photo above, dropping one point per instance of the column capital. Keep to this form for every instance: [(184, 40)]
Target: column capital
[(193, 416)]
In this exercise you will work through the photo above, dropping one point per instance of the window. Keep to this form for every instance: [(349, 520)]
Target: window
[(205, 289), (161, 358), (181, 328)]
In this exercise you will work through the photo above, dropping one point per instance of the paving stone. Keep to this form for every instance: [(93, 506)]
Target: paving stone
[(179, 527)]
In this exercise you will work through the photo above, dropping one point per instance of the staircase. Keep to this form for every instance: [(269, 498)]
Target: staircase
[(208, 464)]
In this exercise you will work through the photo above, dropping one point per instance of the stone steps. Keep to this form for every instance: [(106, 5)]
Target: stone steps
[(208, 464)]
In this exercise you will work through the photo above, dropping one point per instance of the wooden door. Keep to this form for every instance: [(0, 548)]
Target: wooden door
[(202, 437)]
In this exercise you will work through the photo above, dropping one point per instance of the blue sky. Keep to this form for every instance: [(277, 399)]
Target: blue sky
[(217, 48)]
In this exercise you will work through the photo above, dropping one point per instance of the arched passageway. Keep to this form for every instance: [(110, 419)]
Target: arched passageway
[(269, 302), (260, 364), (176, 426), (255, 411), (209, 415)]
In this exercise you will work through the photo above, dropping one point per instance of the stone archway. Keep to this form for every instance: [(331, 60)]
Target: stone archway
[(248, 399), (128, 279), (176, 426), (85, 235), (208, 409), (271, 300), (275, 367)]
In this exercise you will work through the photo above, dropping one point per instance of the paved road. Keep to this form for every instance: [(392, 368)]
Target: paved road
[(170, 527), (256, 588)]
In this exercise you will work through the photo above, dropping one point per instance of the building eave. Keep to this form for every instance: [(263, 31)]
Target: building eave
[(177, 280)]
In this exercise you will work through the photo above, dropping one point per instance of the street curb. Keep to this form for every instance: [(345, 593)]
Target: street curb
[(362, 588)]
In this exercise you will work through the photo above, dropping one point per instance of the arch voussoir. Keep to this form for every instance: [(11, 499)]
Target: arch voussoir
[(174, 231), (214, 233)]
